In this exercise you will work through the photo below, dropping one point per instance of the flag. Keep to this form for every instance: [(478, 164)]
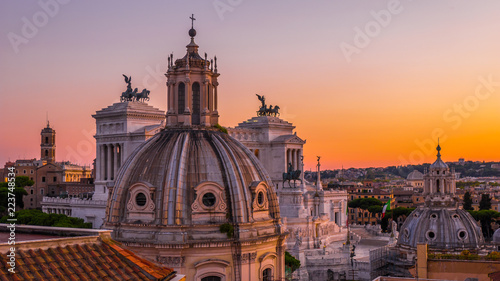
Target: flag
[(387, 206)]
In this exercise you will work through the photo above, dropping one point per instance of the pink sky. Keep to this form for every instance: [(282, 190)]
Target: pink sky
[(420, 73)]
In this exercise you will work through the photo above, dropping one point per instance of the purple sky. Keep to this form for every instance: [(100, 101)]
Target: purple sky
[(378, 106)]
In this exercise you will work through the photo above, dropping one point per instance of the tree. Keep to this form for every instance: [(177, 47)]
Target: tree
[(291, 262), (485, 217), (467, 202), (18, 191), (364, 203), (485, 203), (37, 217)]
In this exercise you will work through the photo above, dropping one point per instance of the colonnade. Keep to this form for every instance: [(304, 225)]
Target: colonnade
[(111, 158), (293, 156)]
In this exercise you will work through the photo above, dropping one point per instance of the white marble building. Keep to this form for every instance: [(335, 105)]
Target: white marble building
[(314, 217), (120, 129)]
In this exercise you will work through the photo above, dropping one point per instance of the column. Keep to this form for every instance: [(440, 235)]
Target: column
[(203, 98), (300, 160), (112, 160), (116, 164), (169, 97), (105, 161), (215, 95), (209, 97), (288, 158), (109, 160), (187, 96)]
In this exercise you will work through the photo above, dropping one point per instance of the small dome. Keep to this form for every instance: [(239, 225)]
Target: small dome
[(439, 164), (415, 175), (182, 178), (441, 229)]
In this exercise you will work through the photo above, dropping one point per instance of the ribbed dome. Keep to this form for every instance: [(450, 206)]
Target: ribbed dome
[(189, 177), (415, 175), (439, 164), (441, 229)]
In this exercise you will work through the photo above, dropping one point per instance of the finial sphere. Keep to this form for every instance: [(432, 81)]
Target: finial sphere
[(192, 32)]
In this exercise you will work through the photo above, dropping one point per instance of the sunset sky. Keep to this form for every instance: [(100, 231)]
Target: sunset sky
[(366, 83)]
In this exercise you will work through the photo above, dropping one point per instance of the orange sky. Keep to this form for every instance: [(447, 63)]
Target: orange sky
[(431, 70)]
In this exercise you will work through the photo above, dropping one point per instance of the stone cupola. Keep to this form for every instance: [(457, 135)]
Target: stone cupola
[(192, 88)]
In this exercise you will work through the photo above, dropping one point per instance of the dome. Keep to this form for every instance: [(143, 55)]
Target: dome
[(415, 175), (439, 164), (441, 229), (182, 184)]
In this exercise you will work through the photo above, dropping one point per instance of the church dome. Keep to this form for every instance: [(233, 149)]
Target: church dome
[(441, 229), (415, 175), (439, 222), (183, 182)]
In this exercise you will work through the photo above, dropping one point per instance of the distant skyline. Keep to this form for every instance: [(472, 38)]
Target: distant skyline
[(366, 83)]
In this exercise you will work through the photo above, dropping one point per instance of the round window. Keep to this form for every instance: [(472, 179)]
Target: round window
[(462, 234), (260, 198), (208, 199), (140, 199), (434, 216), (431, 235)]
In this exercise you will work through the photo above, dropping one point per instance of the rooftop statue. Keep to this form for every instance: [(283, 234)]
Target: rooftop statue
[(130, 95), (264, 110)]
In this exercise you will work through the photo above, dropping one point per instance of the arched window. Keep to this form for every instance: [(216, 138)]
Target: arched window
[(267, 275), (196, 104), (46, 153), (181, 103), (437, 186), (211, 278), (46, 139)]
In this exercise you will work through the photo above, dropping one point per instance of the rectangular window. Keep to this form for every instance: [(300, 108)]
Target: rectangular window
[(41, 191), (32, 191), (24, 171), (43, 179), (31, 171), (55, 179)]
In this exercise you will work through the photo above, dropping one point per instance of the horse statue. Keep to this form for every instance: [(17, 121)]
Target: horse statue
[(262, 111), (130, 95), (144, 95), (274, 111), (291, 175)]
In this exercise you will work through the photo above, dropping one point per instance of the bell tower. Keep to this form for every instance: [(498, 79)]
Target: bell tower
[(439, 183), (48, 144), (192, 88)]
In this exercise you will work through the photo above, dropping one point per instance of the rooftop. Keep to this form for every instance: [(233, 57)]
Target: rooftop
[(56, 253)]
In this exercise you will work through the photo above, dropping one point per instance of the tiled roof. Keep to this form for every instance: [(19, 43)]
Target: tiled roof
[(103, 259)]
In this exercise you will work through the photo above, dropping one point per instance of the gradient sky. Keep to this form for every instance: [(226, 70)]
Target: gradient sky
[(429, 70)]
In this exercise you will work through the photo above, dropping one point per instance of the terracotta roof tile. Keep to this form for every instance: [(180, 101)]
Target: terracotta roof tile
[(101, 260)]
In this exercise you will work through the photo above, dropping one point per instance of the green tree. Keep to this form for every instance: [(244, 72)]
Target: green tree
[(37, 217), (365, 203), (485, 203), (485, 217), (17, 190), (291, 262), (467, 201)]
